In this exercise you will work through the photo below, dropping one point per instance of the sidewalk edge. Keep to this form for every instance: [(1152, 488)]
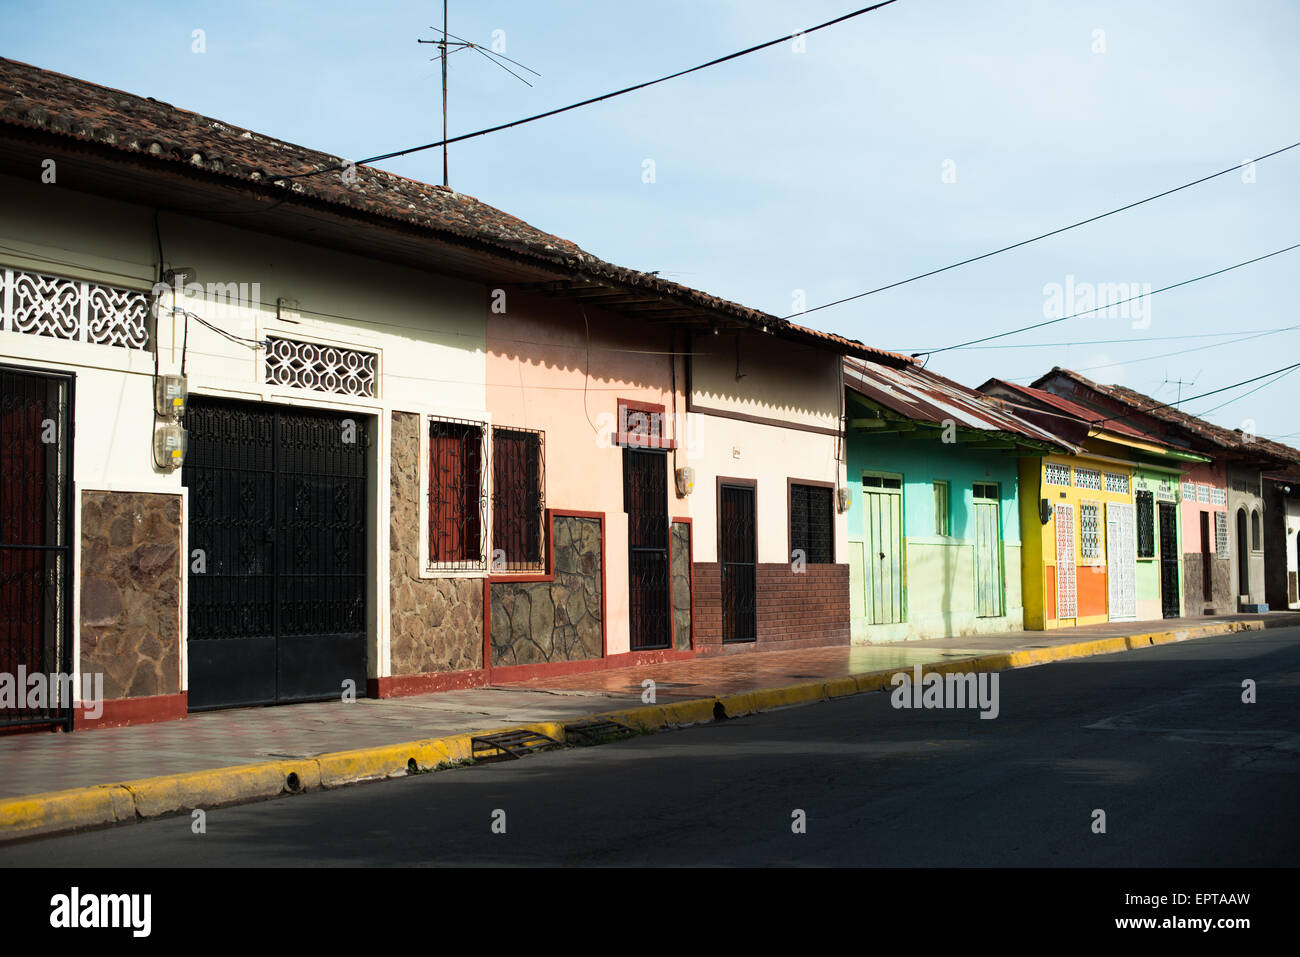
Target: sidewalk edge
[(56, 812)]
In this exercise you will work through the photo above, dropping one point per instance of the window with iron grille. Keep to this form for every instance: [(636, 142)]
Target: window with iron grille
[(1087, 478), (1090, 530), (1203, 493), (456, 519), (1117, 482), (1218, 496), (1254, 531), (1146, 525), (1221, 534), (811, 518), (1055, 474), (1189, 491), (518, 498)]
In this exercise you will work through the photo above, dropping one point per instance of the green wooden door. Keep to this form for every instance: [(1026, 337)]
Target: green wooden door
[(988, 560), (883, 567)]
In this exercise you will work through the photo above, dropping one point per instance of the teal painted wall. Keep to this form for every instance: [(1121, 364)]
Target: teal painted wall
[(939, 581)]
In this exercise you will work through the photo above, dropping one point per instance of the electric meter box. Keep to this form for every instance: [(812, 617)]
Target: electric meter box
[(169, 445), (170, 395)]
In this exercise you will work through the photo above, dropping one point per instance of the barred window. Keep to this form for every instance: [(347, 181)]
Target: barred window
[(1146, 518), (1218, 496), (1117, 482), (1055, 474), (1189, 491), (455, 496), (811, 523), (1203, 493), (518, 498), (1088, 478), (1090, 529), (1221, 534)]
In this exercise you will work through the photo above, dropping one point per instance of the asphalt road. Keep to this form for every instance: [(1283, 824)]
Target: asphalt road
[(1158, 739)]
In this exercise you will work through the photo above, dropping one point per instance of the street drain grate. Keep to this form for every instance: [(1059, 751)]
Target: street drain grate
[(599, 730), (509, 745)]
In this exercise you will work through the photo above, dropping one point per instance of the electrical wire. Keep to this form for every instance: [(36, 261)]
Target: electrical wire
[(1109, 305), (1034, 239), (594, 99), (1180, 352), (1103, 342), (1244, 394)]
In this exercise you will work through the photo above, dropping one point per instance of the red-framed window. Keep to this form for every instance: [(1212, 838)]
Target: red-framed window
[(456, 502), (518, 498)]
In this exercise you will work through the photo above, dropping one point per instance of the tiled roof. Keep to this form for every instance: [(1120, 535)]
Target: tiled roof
[(156, 132)]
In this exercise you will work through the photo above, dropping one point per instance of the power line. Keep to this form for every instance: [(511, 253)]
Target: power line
[(1180, 352), (1108, 305), (1244, 394), (1203, 395), (1104, 342), (1034, 239), (595, 99)]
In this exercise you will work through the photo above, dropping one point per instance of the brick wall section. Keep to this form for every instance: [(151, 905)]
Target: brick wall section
[(794, 610)]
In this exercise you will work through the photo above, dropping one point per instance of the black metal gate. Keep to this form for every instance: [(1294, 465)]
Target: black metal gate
[(35, 547), (278, 543), (736, 556), (645, 499), (1169, 578)]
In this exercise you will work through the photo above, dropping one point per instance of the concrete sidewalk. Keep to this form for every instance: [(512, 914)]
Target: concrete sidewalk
[(40, 763)]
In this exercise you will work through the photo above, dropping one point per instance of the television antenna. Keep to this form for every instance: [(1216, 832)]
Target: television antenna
[(446, 47), (1180, 383)]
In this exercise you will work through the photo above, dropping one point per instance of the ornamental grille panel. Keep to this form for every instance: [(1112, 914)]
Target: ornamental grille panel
[(308, 365), (1121, 557), (1221, 535), (457, 498), (1066, 602), (1087, 478), (1203, 493), (810, 523), (1146, 535), (278, 542), (35, 519), (42, 305), (1170, 577), (1054, 474), (1117, 482), (1090, 530), (518, 498), (1218, 496), (736, 555), (1189, 491), (645, 500)]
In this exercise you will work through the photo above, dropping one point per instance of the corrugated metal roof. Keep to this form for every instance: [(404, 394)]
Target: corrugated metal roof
[(919, 395), (1094, 418)]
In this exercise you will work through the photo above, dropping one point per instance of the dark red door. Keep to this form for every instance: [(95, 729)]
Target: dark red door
[(35, 509)]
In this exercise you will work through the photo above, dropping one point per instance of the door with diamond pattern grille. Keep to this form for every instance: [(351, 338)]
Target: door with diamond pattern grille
[(278, 543)]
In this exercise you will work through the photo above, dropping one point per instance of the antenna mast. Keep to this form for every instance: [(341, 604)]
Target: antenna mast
[(445, 49)]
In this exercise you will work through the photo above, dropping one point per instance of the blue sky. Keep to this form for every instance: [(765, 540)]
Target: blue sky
[(821, 171)]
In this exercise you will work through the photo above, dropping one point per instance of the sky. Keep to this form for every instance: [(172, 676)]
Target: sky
[(901, 141)]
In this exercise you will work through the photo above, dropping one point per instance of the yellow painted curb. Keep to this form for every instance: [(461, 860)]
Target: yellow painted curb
[(59, 811)]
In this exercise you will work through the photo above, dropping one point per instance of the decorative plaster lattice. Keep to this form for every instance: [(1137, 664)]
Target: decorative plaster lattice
[(308, 365), (41, 305)]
